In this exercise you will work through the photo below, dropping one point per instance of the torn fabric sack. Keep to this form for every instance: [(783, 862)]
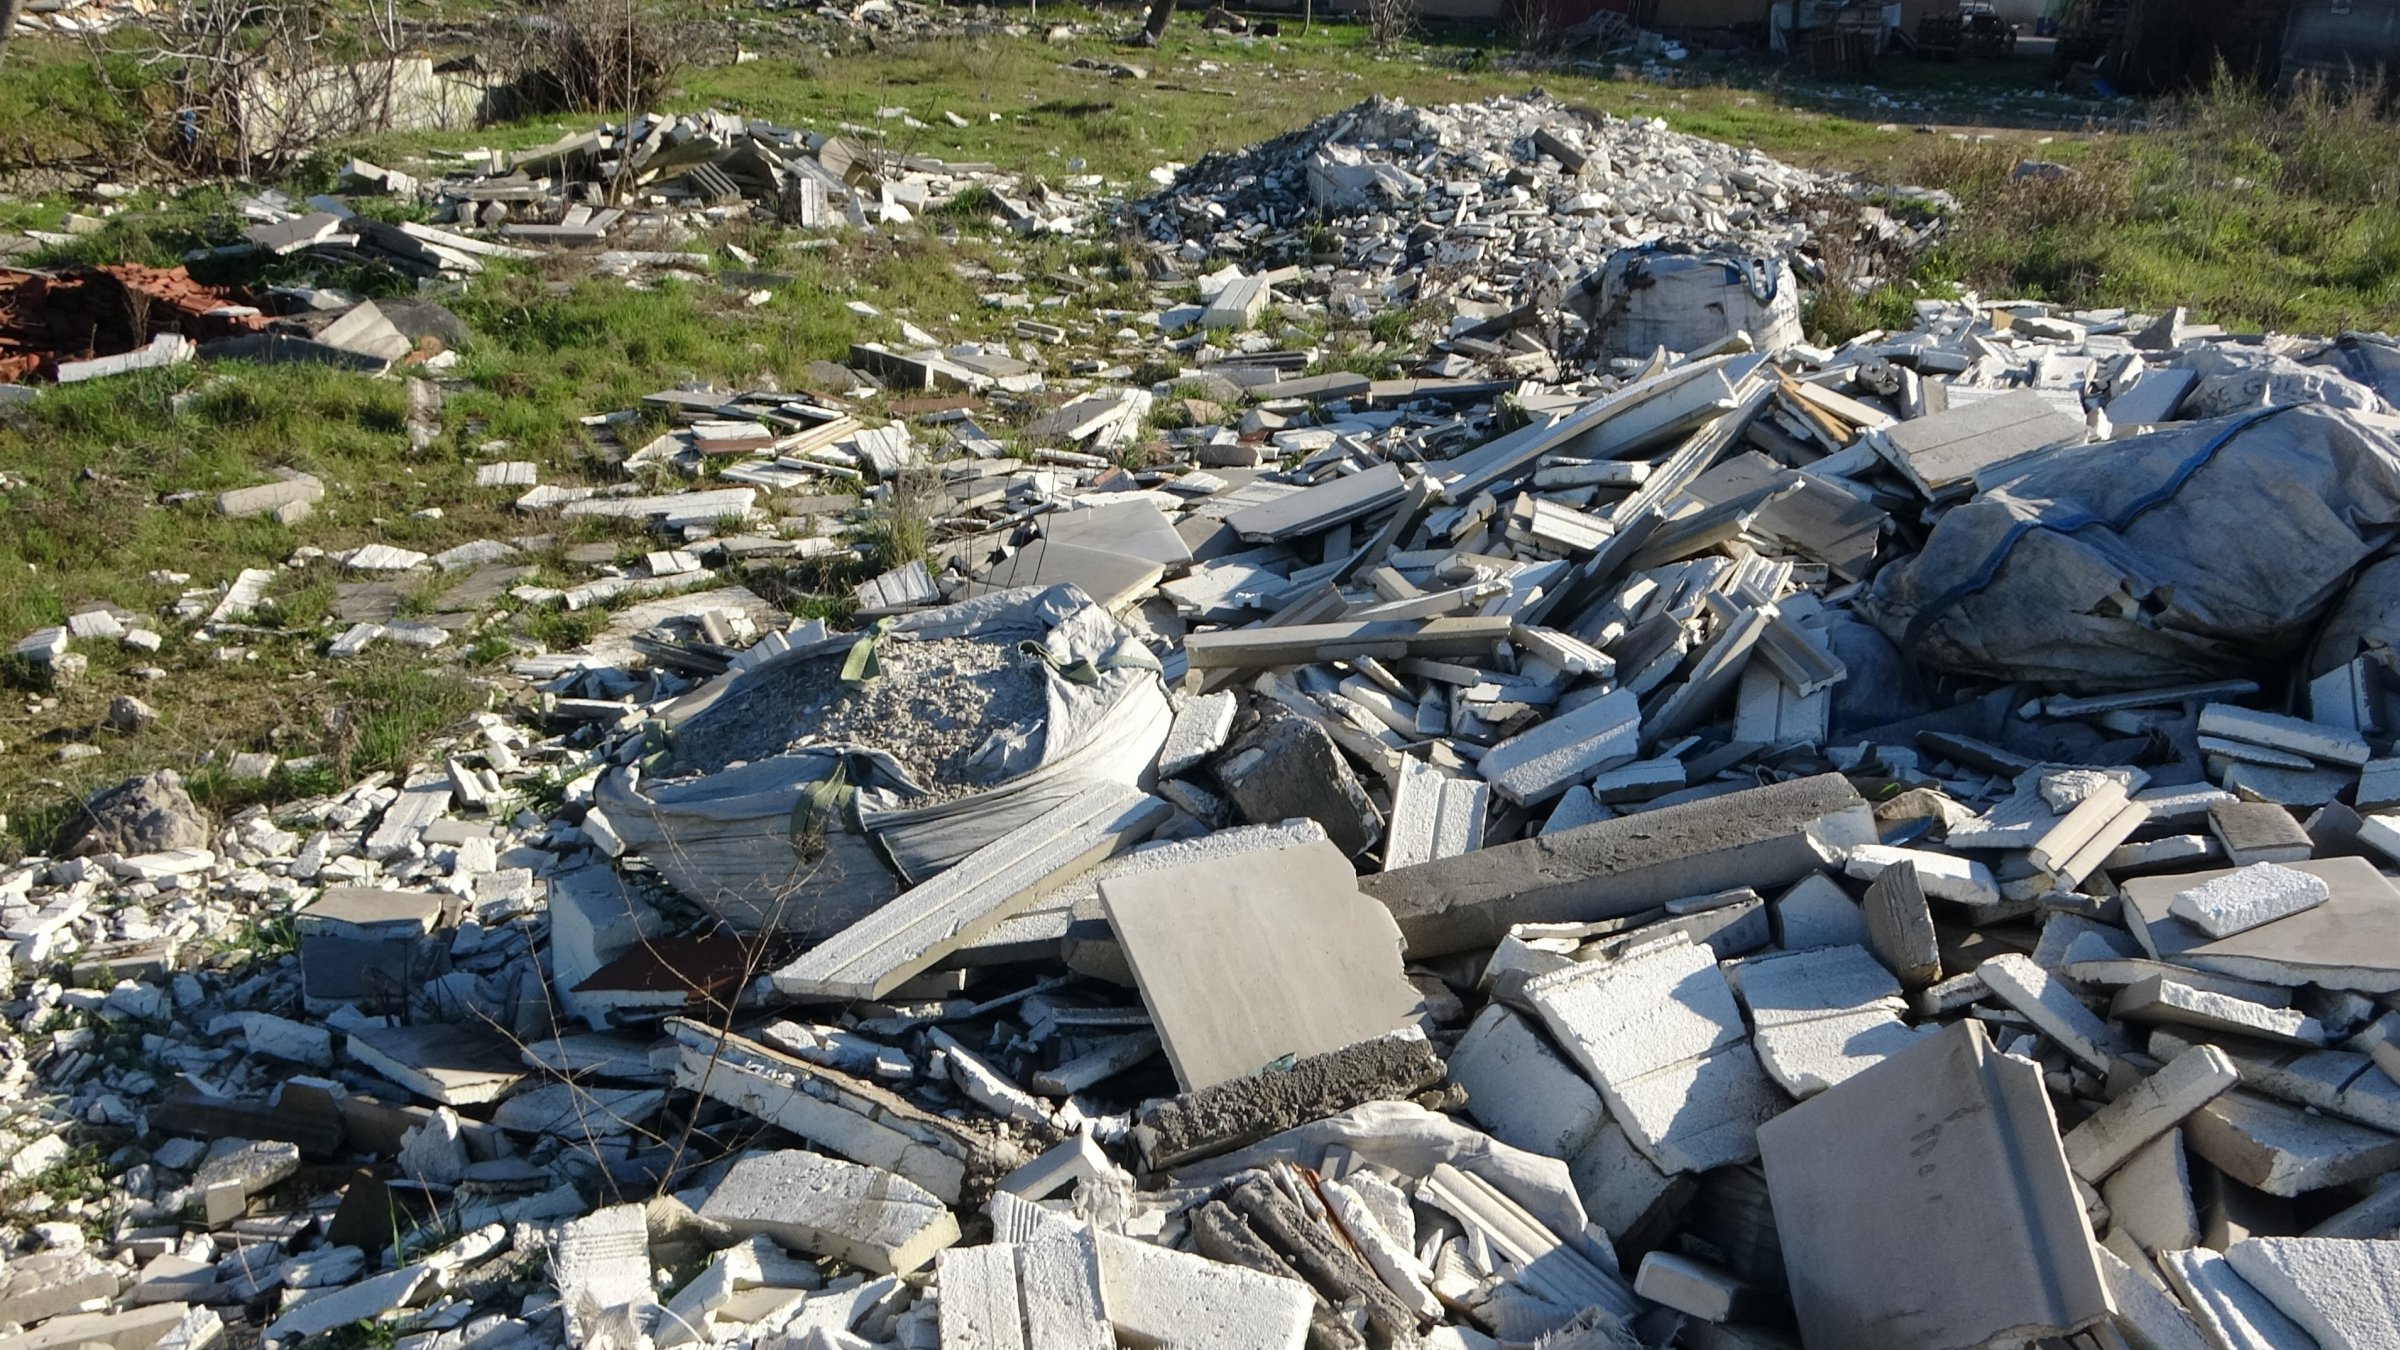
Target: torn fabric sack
[(809, 839), (2200, 553)]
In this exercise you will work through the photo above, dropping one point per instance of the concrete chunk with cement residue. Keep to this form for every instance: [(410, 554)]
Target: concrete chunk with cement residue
[(826, 1207)]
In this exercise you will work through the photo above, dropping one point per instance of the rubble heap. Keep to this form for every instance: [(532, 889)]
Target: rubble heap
[(1505, 202), (1725, 848), (84, 323), (638, 194)]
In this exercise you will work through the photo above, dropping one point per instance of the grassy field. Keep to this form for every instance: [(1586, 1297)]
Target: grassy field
[(2250, 214)]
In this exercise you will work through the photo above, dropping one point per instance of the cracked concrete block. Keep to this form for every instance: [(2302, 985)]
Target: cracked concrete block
[(1818, 913), (1288, 767), (1759, 837), (1160, 1296), (1819, 1017), (2229, 1311), (1519, 1088), (1660, 1035), (2283, 1150), (2345, 1291), (2148, 1109), (826, 1207)]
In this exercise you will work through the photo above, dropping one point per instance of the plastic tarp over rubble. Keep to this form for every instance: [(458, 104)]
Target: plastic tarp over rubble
[(2192, 554), (746, 842)]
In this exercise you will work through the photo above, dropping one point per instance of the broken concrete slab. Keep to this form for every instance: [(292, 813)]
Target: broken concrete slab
[(1821, 1016), (2053, 1008), (1434, 816), (2150, 1108), (826, 1207), (1159, 1296), (1759, 837), (1942, 1158), (287, 499), (1242, 1111), (2344, 943), (1521, 1090), (843, 1115), (2283, 1150), (1943, 453), (1201, 725), (1289, 767), (908, 935), (2149, 1196), (1560, 752), (1247, 959), (2233, 1314), (2345, 1291), (1658, 1032)]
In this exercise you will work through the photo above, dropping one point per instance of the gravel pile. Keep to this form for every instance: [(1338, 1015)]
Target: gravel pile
[(1520, 186), (934, 707)]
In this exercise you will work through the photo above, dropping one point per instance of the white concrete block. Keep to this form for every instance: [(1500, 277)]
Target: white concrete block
[(2345, 1291), (824, 1206), (980, 1309), (1942, 876), (1818, 913), (1659, 1033), (1520, 1090), (2328, 745), (1562, 751), (1159, 1296), (1820, 1016), (2051, 1007), (2234, 1315), (1199, 731), (2247, 897), (2150, 1108), (1691, 1287)]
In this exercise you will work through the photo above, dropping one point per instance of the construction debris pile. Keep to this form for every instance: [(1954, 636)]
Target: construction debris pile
[(1763, 847), (1482, 208), (639, 194), (81, 16), (85, 323)]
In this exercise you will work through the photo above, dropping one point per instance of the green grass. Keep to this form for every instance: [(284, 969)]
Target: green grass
[(2251, 214)]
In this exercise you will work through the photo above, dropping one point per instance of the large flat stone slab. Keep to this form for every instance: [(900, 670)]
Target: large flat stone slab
[(2351, 941), (1926, 1205), (1245, 959)]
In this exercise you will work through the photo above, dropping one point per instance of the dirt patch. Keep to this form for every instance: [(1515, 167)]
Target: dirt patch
[(937, 703)]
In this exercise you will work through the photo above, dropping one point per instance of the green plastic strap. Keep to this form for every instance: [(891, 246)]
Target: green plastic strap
[(861, 666), (1126, 655), (819, 805)]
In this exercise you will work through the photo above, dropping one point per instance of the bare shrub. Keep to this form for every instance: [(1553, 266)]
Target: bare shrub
[(1391, 22), (594, 56), (240, 86)]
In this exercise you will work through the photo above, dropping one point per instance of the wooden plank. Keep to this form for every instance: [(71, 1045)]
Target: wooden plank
[(924, 924)]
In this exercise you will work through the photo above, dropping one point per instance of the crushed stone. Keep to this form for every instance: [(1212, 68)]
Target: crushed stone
[(935, 706)]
